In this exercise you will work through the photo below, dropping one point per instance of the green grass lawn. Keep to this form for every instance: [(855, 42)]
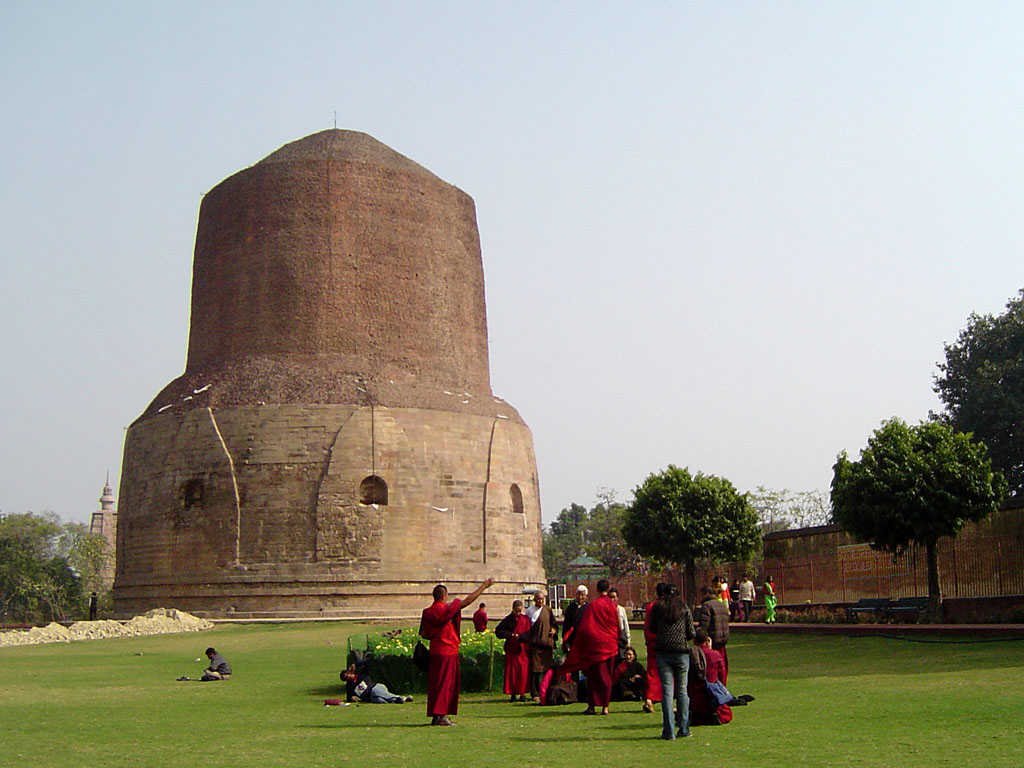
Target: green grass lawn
[(821, 701)]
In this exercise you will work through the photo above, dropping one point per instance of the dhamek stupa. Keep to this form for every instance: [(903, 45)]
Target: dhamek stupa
[(333, 446)]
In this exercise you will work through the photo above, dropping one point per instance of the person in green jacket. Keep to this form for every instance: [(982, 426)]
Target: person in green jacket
[(770, 601)]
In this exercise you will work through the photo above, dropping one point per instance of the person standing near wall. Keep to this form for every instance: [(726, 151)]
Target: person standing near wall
[(770, 601), (746, 597), (480, 618)]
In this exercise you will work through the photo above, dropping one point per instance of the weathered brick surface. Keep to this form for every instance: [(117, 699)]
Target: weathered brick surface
[(338, 333), (299, 540)]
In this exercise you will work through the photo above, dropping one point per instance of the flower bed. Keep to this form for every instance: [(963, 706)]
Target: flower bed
[(389, 656)]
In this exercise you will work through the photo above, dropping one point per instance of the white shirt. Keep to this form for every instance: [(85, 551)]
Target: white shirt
[(747, 590), (532, 612), (623, 625)]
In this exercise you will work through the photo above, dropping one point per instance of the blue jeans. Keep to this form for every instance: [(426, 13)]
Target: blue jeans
[(380, 694), (672, 670)]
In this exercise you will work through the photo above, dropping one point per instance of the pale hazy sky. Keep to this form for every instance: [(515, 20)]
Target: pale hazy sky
[(729, 236)]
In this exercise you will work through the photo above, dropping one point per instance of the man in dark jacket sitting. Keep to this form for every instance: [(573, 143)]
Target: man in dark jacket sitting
[(712, 615), (219, 668)]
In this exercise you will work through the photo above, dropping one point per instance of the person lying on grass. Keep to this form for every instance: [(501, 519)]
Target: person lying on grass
[(360, 686)]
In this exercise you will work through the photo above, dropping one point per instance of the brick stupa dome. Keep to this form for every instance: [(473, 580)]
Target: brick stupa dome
[(336, 270), (333, 447)]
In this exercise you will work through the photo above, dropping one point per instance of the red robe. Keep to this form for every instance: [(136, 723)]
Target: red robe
[(594, 648), (702, 708), (440, 624), (480, 620), (653, 681), (517, 658)]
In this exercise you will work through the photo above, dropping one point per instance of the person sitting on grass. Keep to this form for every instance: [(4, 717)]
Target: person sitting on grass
[(219, 668), (707, 670), (629, 681), (706, 666), (359, 685)]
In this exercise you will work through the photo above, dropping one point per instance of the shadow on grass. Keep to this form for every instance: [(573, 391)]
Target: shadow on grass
[(654, 735), (546, 712), (361, 726)]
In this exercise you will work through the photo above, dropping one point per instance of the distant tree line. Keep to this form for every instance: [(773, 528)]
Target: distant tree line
[(595, 532), (48, 568), (675, 517)]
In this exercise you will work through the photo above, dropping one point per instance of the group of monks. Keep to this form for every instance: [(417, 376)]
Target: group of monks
[(592, 637)]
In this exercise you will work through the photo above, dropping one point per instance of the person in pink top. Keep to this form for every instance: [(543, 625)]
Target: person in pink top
[(439, 624)]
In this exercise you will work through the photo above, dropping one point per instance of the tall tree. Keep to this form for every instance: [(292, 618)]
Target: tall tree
[(914, 485), (564, 539), (86, 553), (681, 518), (982, 386), (36, 579)]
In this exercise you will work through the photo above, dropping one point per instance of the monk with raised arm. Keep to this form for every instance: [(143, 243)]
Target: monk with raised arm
[(439, 624)]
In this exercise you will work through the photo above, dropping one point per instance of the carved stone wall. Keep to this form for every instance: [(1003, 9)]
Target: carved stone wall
[(298, 540)]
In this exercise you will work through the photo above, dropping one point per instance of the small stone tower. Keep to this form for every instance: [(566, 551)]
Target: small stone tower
[(104, 523), (333, 447)]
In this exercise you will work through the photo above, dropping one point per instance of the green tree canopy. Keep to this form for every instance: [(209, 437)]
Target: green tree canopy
[(596, 532), (982, 386), (37, 580), (681, 518), (914, 485)]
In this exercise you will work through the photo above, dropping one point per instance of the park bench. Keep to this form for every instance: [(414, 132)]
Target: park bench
[(907, 606), (873, 605)]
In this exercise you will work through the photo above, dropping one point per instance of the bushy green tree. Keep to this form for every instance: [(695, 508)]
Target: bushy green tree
[(37, 581), (682, 518), (914, 485), (86, 553), (982, 386)]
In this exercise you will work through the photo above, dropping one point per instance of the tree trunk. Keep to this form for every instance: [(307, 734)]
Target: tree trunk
[(690, 581), (934, 590)]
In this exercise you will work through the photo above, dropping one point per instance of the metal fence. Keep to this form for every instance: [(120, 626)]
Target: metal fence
[(818, 566)]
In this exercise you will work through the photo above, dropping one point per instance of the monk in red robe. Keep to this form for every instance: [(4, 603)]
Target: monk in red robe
[(480, 618), (439, 624), (595, 647), (653, 681), (514, 629)]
